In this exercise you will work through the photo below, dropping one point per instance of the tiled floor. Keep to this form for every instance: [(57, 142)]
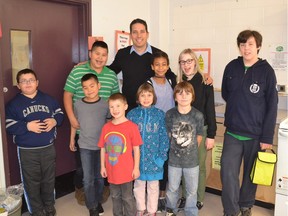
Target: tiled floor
[(67, 206)]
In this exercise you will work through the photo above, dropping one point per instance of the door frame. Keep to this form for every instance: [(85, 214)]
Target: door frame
[(85, 29)]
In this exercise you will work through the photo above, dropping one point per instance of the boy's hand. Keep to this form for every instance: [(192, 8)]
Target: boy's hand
[(74, 123), (72, 146), (103, 172), (265, 146), (135, 173), (36, 126), (50, 123)]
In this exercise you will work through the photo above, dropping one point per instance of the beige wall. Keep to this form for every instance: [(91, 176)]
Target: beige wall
[(211, 24), (216, 23)]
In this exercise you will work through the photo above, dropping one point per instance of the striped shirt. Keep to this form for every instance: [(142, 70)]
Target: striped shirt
[(107, 79)]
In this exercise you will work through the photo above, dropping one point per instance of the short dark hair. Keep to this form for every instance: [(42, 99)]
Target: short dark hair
[(89, 76), (138, 20), (146, 87), (246, 34), (118, 96), (160, 54), (99, 44), (25, 71)]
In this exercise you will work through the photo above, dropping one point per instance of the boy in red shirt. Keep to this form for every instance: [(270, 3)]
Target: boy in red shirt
[(119, 142)]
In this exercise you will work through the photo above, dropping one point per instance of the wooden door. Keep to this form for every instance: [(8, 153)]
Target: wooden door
[(58, 32)]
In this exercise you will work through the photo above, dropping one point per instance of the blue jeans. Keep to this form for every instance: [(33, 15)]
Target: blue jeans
[(93, 181), (233, 196), (191, 176)]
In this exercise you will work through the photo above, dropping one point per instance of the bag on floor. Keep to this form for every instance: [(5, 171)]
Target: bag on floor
[(263, 168)]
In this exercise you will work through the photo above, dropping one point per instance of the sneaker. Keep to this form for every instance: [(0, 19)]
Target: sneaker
[(50, 210), (80, 196), (237, 214), (39, 213), (161, 205), (100, 209), (140, 213), (199, 205), (246, 211), (105, 194), (93, 212), (182, 202), (169, 212)]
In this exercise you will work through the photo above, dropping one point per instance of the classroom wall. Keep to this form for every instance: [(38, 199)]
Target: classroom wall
[(178, 24), (215, 24), (108, 16)]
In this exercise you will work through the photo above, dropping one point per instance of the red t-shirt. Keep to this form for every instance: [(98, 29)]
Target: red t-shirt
[(118, 141)]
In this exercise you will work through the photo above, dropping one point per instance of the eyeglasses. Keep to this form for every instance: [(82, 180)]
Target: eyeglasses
[(27, 81), (188, 61)]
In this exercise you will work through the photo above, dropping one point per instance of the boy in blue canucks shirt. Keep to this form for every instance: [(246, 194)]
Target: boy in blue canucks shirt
[(32, 117)]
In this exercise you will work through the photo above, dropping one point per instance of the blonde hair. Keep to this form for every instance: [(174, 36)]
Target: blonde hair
[(146, 87), (184, 86), (196, 69)]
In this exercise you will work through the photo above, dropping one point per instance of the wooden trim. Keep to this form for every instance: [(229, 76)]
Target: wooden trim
[(85, 29), (84, 7)]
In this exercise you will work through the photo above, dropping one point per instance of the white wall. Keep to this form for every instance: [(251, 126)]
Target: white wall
[(215, 24), (178, 24), (108, 16)]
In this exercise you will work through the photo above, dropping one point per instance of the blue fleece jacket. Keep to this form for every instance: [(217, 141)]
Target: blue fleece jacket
[(153, 152)]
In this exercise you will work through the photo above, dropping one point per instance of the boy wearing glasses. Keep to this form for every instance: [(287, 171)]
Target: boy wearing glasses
[(32, 117)]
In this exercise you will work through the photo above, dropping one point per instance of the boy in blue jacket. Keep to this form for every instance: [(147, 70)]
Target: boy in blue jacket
[(249, 89), (32, 117)]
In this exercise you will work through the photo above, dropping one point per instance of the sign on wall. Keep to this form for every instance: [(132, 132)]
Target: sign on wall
[(204, 58), (122, 40), (92, 39)]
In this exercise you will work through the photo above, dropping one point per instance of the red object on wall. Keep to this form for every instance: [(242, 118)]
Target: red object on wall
[(0, 30)]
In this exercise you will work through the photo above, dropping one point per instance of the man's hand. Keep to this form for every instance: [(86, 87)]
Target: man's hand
[(80, 63)]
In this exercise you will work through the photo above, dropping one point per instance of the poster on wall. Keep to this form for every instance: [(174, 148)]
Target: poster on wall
[(92, 39), (122, 40), (204, 58), (278, 57)]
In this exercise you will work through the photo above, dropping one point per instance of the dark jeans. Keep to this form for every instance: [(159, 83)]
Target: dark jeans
[(93, 181), (163, 182), (123, 199), (78, 176), (37, 168), (234, 196)]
